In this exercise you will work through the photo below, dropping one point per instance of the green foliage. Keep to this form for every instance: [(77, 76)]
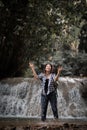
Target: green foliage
[(32, 30)]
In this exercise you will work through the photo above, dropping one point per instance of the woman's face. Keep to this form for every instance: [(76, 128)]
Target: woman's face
[(48, 68)]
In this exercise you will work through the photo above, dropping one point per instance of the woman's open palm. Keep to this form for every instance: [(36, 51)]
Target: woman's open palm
[(31, 65), (60, 68)]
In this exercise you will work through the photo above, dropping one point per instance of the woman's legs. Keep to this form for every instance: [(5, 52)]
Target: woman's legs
[(44, 104), (53, 102)]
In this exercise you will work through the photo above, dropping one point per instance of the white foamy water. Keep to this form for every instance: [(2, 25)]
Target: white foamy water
[(20, 97)]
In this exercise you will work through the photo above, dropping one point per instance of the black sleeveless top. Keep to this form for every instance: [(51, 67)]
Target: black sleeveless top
[(46, 85)]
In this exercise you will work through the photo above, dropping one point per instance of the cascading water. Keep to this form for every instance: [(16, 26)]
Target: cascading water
[(70, 100), (20, 97)]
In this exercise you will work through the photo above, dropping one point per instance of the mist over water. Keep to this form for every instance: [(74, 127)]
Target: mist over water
[(20, 97)]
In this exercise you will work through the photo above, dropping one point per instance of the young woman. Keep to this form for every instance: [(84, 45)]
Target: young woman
[(48, 93)]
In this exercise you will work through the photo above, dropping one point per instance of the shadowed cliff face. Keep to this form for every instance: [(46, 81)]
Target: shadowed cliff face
[(20, 97)]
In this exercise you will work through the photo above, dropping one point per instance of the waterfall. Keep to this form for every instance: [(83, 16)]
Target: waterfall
[(70, 100), (20, 97)]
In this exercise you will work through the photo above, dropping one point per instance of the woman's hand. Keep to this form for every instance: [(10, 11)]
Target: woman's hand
[(31, 65), (60, 68), (58, 73)]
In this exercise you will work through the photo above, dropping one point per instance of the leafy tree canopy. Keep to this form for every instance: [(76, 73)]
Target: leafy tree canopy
[(30, 29)]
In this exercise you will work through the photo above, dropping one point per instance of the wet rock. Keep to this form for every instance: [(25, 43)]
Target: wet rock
[(64, 127)]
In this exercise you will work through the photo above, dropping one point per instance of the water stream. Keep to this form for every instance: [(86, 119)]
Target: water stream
[(20, 97)]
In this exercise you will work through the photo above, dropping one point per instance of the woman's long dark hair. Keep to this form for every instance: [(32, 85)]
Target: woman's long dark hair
[(51, 67)]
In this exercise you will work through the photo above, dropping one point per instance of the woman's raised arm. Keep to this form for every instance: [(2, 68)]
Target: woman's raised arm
[(58, 73), (31, 65)]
